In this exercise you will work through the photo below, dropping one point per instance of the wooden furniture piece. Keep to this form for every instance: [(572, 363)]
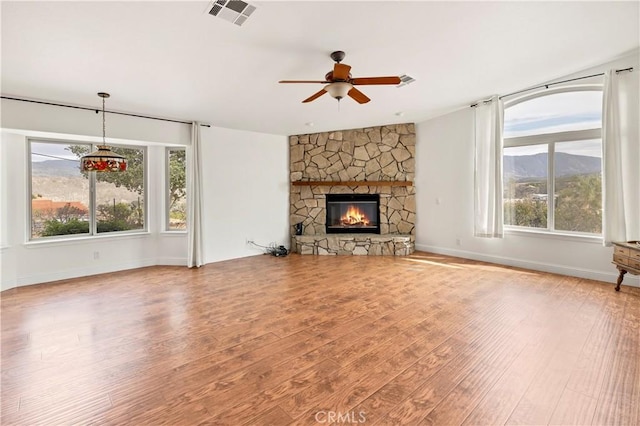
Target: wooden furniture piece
[(626, 257)]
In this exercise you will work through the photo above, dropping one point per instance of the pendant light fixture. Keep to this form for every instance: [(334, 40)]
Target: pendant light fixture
[(103, 160)]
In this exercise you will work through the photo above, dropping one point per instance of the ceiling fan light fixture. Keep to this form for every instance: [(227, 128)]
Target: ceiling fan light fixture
[(338, 90)]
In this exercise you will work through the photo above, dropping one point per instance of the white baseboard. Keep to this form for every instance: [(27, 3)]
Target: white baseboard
[(609, 277), (8, 284), (605, 276), (81, 272), (172, 261)]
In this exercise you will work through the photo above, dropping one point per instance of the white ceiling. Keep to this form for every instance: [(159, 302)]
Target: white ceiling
[(172, 59)]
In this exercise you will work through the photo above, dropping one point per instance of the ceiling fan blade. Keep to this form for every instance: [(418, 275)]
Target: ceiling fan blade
[(304, 81), (358, 96), (376, 80), (315, 96), (341, 71)]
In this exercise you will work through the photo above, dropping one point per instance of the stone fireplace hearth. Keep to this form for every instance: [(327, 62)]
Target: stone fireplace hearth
[(375, 160)]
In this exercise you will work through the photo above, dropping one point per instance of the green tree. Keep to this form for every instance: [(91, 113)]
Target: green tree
[(526, 212), (177, 177), (55, 227), (119, 216), (579, 204), (69, 212), (116, 211), (520, 206), (133, 178), (111, 217)]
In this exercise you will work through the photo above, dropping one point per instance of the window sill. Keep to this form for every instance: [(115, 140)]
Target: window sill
[(590, 239), (83, 239), (176, 233)]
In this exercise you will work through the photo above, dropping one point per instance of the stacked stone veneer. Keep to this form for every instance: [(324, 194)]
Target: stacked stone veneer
[(383, 153), (364, 244)]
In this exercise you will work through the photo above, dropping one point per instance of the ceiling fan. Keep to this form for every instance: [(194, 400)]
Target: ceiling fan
[(340, 83)]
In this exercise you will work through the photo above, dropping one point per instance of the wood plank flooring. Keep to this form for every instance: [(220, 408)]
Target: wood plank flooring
[(309, 340)]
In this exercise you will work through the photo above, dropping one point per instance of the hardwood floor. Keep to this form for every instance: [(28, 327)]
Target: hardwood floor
[(426, 339)]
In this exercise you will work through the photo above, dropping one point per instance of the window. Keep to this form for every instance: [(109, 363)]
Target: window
[(63, 197), (176, 190), (552, 162)]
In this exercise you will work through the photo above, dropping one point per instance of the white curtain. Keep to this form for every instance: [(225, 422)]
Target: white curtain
[(488, 169), (194, 199), (619, 160)]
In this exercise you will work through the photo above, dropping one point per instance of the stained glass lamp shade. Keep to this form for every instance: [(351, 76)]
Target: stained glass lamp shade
[(103, 160)]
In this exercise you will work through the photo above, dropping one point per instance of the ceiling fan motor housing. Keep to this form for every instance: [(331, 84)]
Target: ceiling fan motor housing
[(329, 77)]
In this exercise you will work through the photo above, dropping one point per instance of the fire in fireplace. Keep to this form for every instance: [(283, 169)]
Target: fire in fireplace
[(353, 213)]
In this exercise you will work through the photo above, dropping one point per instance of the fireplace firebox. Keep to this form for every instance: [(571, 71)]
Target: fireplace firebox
[(353, 213)]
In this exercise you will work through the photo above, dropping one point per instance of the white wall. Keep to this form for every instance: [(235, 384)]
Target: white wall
[(58, 120), (444, 183), (246, 192), (239, 168)]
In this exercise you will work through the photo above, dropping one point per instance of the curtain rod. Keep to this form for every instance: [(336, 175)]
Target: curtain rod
[(97, 110), (546, 86)]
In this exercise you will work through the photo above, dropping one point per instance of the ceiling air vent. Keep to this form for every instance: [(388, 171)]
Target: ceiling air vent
[(405, 79), (234, 11)]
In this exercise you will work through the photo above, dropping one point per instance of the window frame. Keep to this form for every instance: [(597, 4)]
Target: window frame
[(167, 195), (551, 139), (93, 222)]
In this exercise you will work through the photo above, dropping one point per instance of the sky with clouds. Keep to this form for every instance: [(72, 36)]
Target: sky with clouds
[(557, 113)]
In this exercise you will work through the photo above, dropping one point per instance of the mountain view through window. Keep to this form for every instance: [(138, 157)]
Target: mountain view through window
[(552, 163)]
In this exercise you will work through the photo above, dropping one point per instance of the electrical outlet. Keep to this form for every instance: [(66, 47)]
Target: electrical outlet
[(96, 255), (458, 241)]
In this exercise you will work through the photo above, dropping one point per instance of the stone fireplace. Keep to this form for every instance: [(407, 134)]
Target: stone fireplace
[(375, 161)]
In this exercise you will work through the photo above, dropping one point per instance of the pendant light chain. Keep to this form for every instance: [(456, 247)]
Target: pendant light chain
[(104, 96), (104, 126)]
